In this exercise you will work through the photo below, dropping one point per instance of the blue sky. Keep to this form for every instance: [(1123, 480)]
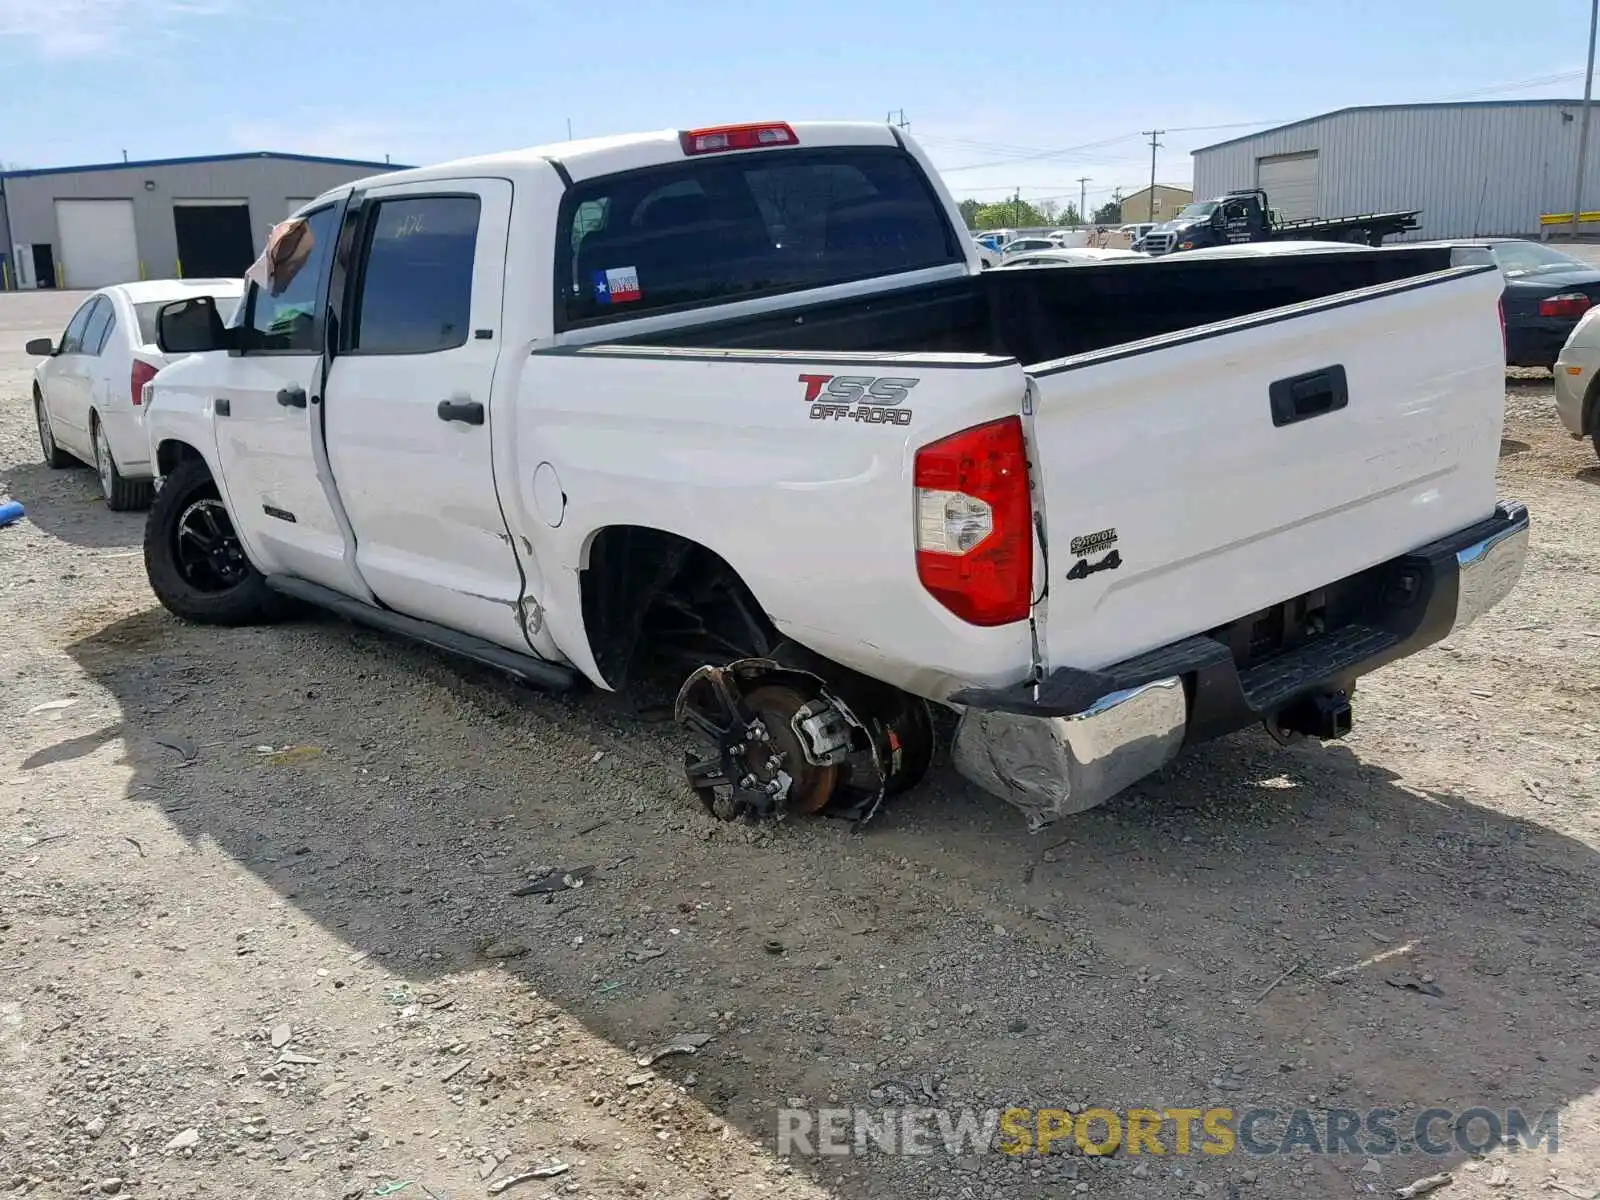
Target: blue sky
[(1021, 94)]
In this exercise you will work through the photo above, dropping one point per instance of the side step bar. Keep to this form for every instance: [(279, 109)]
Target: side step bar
[(535, 672)]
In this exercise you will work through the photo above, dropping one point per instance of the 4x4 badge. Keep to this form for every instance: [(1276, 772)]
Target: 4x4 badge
[(1083, 568)]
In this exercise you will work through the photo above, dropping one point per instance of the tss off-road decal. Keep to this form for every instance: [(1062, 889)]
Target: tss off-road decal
[(865, 398)]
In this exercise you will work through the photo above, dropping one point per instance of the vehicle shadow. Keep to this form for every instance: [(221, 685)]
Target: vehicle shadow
[(1590, 475), (1122, 958), (67, 504)]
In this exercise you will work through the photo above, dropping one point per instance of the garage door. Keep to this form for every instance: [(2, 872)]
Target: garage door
[(98, 245), (1290, 181)]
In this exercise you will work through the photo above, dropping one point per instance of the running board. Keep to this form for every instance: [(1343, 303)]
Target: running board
[(533, 671)]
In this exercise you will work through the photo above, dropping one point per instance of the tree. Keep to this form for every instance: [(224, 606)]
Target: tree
[(1109, 213), (1070, 216), (969, 212), (1006, 214)]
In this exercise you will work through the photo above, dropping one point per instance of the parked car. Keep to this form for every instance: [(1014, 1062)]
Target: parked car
[(1577, 373), (1136, 231), (88, 393), (1268, 249), (1547, 292), (1070, 256), (1027, 245), (1069, 239), (774, 426)]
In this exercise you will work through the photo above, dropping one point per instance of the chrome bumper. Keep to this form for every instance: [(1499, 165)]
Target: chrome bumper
[(1052, 764), (1052, 767), (1489, 568)]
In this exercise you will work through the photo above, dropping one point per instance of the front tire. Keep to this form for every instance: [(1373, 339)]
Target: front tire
[(121, 494), (1595, 438), (193, 556), (54, 456)]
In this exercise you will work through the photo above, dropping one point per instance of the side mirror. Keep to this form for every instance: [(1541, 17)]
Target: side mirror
[(191, 326), (40, 348)]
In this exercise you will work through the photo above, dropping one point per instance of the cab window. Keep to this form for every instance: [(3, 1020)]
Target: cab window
[(281, 316), (723, 228)]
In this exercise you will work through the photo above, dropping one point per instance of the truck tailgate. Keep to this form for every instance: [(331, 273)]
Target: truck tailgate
[(1190, 480)]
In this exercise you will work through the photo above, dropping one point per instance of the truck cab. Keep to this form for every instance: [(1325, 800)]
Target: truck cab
[(1240, 216)]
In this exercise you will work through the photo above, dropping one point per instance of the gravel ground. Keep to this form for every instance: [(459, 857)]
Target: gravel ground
[(258, 937)]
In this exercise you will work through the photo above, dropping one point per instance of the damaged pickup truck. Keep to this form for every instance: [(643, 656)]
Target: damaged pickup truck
[(742, 399)]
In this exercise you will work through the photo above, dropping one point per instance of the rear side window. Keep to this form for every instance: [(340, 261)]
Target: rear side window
[(415, 289), (719, 229)]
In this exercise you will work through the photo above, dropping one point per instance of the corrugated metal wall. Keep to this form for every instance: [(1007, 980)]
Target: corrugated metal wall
[(1474, 170), (266, 184)]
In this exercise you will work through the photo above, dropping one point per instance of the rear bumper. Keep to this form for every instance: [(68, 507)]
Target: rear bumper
[(1536, 341), (1075, 739), (129, 446)]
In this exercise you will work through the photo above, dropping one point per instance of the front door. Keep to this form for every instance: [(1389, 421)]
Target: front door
[(272, 394), (408, 406), (65, 383)]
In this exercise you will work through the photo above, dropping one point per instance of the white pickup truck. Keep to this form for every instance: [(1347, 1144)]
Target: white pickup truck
[(743, 400)]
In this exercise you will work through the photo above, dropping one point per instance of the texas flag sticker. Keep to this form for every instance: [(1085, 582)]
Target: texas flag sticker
[(616, 286)]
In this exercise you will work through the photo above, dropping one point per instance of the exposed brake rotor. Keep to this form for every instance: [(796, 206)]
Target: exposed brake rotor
[(776, 739)]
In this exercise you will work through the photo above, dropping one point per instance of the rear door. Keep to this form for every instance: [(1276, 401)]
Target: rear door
[(408, 406), (1194, 479)]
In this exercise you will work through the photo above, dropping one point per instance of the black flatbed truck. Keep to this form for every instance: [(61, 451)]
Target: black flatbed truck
[(1246, 216)]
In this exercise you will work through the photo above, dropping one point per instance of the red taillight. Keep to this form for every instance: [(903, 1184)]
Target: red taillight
[(1568, 304), (1500, 307), (142, 374), (737, 137), (975, 523)]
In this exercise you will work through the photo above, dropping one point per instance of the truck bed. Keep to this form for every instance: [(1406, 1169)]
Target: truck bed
[(1042, 314)]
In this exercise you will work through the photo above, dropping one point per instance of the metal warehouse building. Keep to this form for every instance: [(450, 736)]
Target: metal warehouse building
[(85, 227), (1474, 169)]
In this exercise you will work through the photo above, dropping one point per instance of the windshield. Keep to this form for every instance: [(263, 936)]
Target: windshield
[(1192, 212), (1530, 258)]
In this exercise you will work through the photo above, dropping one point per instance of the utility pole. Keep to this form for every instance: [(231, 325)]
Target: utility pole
[(1083, 182), (1153, 134), (1583, 123), (902, 123), (1016, 210), (569, 129)]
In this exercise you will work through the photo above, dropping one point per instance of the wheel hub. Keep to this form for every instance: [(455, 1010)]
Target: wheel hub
[(777, 739), (102, 458), (209, 555)]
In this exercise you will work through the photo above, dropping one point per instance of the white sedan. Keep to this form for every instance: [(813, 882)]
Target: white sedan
[(1576, 371), (1069, 256), (88, 393)]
